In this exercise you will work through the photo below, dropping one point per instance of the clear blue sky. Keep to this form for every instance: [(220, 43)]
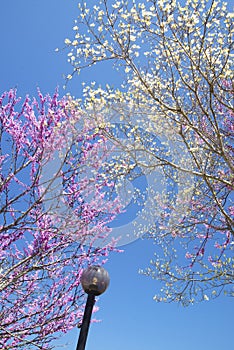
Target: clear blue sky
[(131, 320)]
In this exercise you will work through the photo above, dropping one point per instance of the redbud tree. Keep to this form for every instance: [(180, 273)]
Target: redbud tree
[(176, 63), (52, 209)]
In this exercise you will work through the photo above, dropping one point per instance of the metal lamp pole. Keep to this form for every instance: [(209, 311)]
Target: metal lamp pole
[(94, 280)]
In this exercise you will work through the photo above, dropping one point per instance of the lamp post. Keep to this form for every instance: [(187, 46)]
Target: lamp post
[(94, 280)]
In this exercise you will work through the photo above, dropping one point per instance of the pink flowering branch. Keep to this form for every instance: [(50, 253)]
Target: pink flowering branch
[(47, 236)]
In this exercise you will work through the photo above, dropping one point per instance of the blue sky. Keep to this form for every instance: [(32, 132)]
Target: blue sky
[(30, 31)]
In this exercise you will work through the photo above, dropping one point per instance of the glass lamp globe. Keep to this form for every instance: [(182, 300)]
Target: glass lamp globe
[(95, 279)]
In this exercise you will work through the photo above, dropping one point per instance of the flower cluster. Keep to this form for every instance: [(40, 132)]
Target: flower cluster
[(47, 235), (177, 66)]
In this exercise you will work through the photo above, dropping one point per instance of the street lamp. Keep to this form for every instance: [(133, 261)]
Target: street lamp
[(94, 280)]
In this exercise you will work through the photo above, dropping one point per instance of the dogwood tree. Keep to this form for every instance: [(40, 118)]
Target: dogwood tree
[(175, 105), (52, 209)]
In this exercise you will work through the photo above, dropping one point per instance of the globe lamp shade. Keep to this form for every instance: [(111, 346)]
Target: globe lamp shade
[(95, 280)]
